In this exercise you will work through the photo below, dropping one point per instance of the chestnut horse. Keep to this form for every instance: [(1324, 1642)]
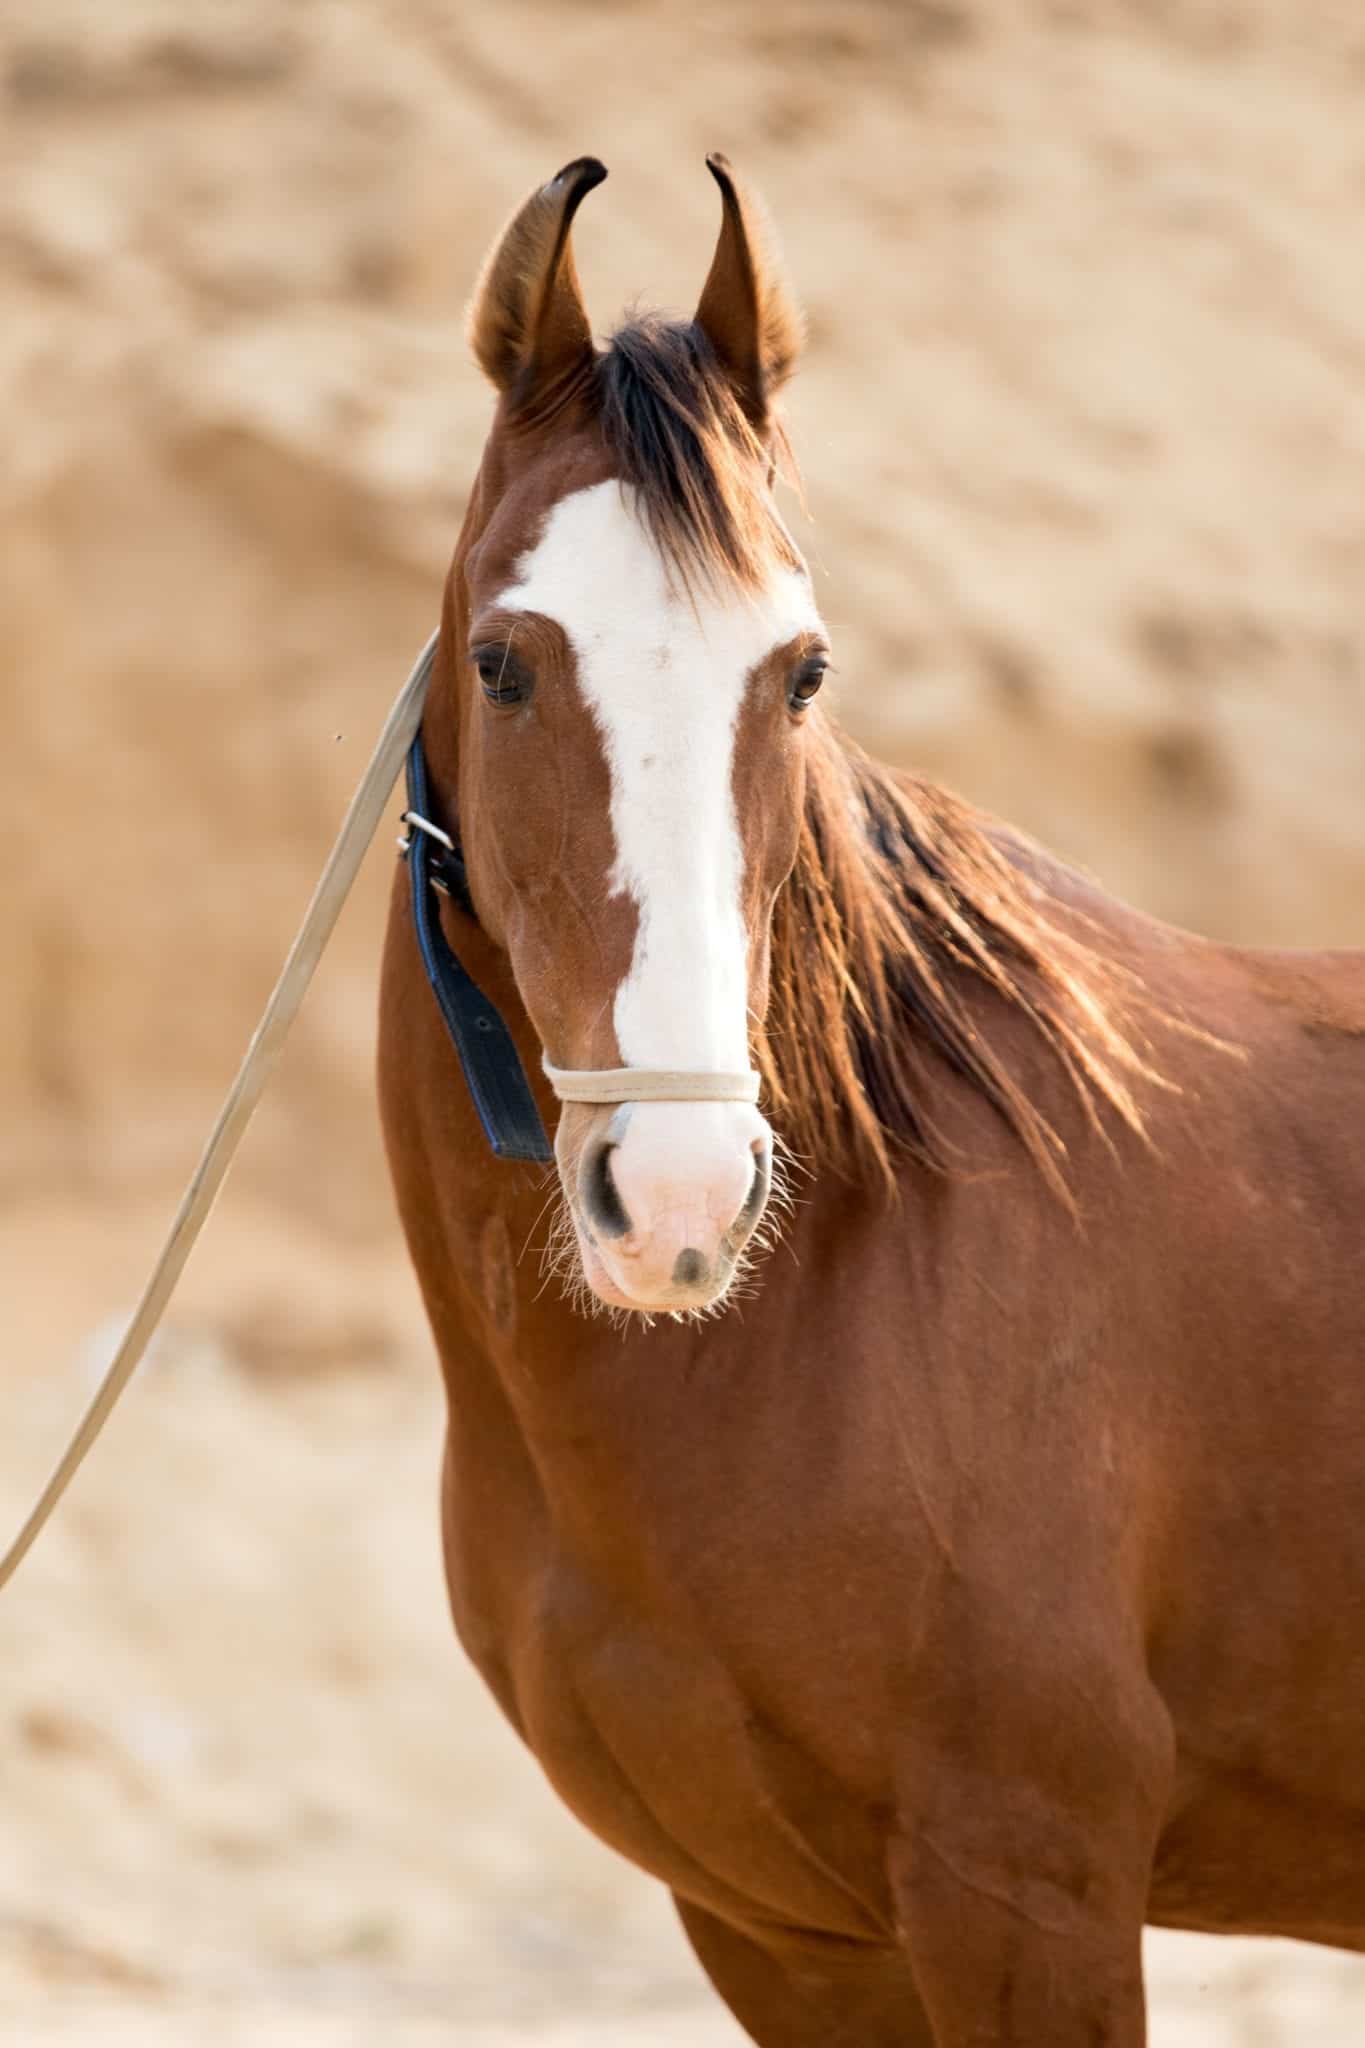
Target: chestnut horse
[(983, 1575)]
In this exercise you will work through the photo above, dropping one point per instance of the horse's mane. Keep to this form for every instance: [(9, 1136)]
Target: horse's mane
[(903, 924), (901, 929), (682, 445)]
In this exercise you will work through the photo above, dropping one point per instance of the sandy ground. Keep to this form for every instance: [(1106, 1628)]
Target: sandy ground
[(1082, 424)]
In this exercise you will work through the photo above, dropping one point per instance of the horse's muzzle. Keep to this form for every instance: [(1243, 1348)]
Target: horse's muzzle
[(665, 1196)]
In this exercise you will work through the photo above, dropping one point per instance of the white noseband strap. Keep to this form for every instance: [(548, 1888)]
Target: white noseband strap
[(648, 1084)]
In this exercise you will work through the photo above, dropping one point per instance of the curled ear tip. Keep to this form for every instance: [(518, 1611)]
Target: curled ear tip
[(582, 174), (720, 166)]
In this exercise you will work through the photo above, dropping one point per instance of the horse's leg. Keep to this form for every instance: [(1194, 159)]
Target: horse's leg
[(783, 2002), (1023, 1860), (987, 1978), (992, 1973)]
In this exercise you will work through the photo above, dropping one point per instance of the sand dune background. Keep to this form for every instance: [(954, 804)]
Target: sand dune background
[(1082, 426)]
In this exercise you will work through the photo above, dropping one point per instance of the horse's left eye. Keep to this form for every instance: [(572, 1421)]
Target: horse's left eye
[(806, 679), (503, 678)]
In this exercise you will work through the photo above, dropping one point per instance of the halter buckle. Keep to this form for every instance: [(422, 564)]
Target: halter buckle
[(420, 824)]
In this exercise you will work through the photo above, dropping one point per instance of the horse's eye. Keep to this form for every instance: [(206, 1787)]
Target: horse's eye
[(806, 679), (503, 678)]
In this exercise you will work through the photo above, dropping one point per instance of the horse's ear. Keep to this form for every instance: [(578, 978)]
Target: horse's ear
[(747, 310), (528, 326)]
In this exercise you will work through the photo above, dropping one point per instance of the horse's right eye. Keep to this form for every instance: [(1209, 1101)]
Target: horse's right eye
[(805, 680), (503, 679)]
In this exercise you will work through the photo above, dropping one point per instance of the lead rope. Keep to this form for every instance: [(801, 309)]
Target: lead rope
[(334, 886)]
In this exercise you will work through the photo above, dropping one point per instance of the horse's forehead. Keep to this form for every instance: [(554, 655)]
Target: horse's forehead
[(596, 570)]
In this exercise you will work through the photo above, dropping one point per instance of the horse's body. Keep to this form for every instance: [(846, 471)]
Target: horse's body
[(992, 1580)]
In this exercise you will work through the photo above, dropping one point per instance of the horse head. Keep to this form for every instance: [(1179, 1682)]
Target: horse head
[(635, 647)]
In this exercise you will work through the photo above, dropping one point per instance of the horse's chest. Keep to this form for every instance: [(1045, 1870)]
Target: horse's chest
[(653, 1743)]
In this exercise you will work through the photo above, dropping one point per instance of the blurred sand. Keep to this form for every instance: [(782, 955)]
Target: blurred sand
[(1082, 425)]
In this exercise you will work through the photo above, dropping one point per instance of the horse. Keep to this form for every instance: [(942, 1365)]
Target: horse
[(905, 1467)]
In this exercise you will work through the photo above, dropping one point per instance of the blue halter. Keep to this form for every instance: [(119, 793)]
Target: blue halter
[(492, 1067)]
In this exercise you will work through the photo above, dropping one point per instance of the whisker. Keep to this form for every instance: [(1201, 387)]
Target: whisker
[(506, 653), (540, 1215)]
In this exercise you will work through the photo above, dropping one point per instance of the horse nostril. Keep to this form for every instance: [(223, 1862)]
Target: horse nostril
[(606, 1210), (758, 1192)]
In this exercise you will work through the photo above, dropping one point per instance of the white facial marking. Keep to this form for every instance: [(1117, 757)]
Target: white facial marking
[(665, 678)]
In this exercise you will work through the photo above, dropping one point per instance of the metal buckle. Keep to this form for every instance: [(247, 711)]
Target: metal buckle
[(421, 824)]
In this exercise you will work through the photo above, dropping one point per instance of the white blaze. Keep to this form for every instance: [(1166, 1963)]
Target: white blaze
[(665, 677)]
